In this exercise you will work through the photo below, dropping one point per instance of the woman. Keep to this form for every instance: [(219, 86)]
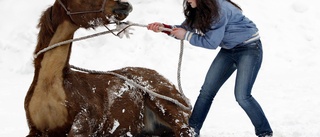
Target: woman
[(220, 23)]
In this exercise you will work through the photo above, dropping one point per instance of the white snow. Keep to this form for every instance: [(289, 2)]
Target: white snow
[(287, 86), (116, 124)]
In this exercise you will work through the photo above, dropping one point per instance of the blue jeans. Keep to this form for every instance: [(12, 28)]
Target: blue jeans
[(246, 60)]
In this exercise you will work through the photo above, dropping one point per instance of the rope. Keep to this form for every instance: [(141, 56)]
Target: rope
[(69, 41), (152, 93), (128, 24), (179, 74), (121, 30), (179, 63)]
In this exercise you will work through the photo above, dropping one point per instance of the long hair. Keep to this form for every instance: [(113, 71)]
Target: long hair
[(206, 13)]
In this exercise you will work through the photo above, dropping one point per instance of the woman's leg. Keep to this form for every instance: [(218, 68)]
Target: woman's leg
[(220, 70), (249, 60)]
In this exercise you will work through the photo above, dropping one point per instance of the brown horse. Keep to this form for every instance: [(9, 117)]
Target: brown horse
[(63, 102)]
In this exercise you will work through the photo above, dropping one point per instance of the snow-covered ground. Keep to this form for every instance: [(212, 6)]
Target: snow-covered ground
[(287, 86)]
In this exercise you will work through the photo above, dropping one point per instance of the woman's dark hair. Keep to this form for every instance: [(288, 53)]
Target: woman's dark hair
[(201, 17)]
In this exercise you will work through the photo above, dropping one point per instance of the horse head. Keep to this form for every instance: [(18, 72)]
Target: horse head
[(93, 13)]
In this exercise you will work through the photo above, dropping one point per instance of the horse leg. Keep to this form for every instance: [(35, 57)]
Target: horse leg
[(172, 116)]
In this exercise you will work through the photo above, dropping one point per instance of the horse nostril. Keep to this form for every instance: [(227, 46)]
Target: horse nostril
[(127, 5), (123, 9)]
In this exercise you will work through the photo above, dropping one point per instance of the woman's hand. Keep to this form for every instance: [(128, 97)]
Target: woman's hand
[(155, 26), (178, 33)]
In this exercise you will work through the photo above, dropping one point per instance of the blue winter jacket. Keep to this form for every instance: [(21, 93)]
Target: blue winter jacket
[(232, 29)]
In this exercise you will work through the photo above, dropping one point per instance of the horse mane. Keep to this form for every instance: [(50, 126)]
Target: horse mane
[(47, 25), (46, 29)]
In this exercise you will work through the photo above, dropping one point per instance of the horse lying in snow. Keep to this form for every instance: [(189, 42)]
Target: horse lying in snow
[(63, 102)]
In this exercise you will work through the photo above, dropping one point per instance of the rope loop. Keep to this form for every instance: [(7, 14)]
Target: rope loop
[(121, 28), (135, 84)]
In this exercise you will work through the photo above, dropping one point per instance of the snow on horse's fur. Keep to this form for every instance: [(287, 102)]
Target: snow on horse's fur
[(64, 102)]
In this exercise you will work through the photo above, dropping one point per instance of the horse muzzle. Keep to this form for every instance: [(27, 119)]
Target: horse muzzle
[(123, 10)]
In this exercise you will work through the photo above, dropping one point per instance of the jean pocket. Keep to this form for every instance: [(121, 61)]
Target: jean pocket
[(254, 45)]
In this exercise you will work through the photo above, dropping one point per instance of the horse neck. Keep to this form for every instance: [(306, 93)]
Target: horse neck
[(55, 26), (53, 62), (47, 93)]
